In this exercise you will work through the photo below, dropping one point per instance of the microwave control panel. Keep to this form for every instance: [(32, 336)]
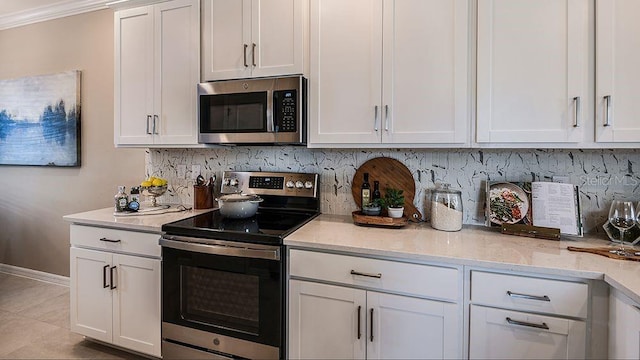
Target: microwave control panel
[(285, 110)]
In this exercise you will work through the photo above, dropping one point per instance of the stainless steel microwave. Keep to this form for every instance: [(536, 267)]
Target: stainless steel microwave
[(253, 111)]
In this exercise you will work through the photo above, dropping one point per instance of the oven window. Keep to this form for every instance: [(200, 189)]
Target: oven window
[(219, 298), (244, 112)]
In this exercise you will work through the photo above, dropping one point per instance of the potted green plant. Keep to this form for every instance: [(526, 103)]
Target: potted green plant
[(373, 208), (394, 200)]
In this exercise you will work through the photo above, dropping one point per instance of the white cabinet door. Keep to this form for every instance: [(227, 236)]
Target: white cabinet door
[(226, 39), (425, 71), (133, 103), (531, 81), (90, 293), (253, 38), (177, 66), (617, 71), (400, 327), (326, 321), (505, 334), (136, 304), (278, 32), (624, 327), (345, 72), (156, 73)]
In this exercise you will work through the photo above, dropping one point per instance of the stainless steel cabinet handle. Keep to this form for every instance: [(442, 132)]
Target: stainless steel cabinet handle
[(386, 118), (375, 118), (104, 276), (371, 330), (148, 119), (253, 54), (578, 109), (607, 110), (527, 296), (109, 240), (112, 278), (528, 324), (377, 276), (245, 55), (155, 118), (359, 332)]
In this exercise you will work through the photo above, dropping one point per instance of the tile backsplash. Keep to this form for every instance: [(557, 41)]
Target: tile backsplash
[(601, 174)]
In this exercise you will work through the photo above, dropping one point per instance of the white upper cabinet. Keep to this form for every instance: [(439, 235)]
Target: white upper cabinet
[(617, 71), (253, 38), (389, 72), (532, 71), (156, 73)]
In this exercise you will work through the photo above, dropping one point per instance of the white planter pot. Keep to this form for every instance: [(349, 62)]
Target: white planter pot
[(395, 212)]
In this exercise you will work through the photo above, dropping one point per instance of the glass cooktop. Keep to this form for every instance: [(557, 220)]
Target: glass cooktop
[(267, 226)]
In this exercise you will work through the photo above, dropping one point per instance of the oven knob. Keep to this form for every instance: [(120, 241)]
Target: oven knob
[(299, 184), (233, 182), (290, 184), (308, 185)]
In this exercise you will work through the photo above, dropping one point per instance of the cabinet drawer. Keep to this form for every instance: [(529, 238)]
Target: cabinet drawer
[(421, 280), (132, 242), (530, 294)]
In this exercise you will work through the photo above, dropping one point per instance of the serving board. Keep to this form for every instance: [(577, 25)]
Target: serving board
[(381, 221), (604, 251), (390, 173)]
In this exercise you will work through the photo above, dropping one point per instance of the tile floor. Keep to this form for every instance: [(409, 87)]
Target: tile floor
[(34, 324)]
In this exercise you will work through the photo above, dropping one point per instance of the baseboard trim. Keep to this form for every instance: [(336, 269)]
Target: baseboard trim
[(35, 274)]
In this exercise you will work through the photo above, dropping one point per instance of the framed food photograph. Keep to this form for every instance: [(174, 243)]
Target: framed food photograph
[(40, 120)]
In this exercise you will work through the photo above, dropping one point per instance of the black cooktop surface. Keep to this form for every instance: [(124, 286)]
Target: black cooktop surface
[(266, 227)]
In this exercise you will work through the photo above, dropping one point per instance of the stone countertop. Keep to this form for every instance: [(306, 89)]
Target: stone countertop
[(472, 246), (148, 222)]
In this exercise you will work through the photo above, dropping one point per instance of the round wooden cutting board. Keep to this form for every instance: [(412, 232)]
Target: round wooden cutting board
[(390, 173)]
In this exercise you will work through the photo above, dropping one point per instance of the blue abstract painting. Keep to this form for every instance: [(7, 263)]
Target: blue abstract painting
[(40, 120)]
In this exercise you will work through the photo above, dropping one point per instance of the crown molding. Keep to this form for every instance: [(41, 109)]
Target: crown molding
[(50, 12)]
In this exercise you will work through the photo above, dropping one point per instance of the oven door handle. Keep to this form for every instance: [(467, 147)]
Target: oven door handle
[(248, 252)]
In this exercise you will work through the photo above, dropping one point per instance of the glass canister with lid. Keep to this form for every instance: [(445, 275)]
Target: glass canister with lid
[(446, 208)]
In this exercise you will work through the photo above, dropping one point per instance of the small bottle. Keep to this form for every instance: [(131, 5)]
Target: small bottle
[(135, 193), (365, 191), (121, 199), (376, 190)]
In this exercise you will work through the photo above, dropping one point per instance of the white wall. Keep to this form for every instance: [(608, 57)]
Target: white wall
[(34, 199)]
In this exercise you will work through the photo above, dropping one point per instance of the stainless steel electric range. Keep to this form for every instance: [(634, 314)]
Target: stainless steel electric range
[(223, 280)]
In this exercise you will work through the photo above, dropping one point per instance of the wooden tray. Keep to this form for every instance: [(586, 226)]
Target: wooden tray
[(390, 173), (604, 251), (383, 221)]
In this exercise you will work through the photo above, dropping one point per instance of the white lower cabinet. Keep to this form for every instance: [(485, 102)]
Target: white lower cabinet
[(509, 334), (521, 317), (328, 321), (624, 327), (115, 297)]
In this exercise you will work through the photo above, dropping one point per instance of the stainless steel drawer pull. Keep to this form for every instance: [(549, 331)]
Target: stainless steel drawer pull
[(386, 118), (607, 110), (359, 331), (377, 276), (109, 240), (155, 118), (527, 296), (543, 326), (253, 54), (148, 119)]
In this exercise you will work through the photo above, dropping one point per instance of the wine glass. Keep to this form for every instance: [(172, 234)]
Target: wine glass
[(622, 215)]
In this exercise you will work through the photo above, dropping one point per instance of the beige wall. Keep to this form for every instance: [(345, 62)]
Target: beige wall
[(34, 199)]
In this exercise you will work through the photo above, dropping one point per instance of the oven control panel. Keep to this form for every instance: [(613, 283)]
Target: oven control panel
[(270, 183)]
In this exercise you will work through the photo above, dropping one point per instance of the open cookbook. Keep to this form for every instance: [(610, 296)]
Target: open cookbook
[(545, 204)]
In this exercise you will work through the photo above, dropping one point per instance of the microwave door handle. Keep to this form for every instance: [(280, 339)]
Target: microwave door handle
[(271, 125)]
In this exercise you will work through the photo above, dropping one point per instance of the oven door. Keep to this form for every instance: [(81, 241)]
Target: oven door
[(223, 290)]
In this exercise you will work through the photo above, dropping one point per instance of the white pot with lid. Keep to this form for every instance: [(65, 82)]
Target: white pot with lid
[(238, 206), (446, 208)]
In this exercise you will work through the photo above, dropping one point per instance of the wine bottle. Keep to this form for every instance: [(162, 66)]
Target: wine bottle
[(376, 191), (365, 191)]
